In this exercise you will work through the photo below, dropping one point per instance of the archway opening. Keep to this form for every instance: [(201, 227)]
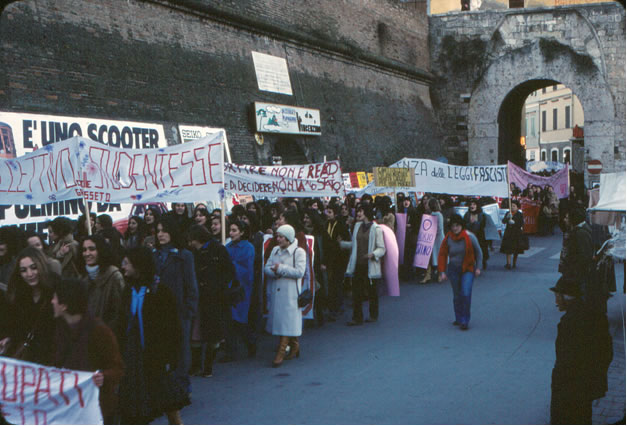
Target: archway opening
[(542, 120)]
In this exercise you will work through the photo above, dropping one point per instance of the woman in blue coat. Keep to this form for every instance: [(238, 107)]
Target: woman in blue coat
[(175, 269), (242, 254)]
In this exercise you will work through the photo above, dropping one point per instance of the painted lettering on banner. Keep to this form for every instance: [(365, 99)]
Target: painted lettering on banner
[(35, 394), (310, 180), (426, 239), (558, 181), (82, 168)]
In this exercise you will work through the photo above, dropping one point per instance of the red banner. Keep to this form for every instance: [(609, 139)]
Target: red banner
[(531, 211)]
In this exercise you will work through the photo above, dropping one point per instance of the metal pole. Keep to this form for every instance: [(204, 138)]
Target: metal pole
[(86, 208)]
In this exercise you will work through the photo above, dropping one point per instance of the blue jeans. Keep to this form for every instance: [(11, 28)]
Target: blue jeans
[(461, 283)]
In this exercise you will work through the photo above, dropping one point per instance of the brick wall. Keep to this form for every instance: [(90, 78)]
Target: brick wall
[(172, 62)]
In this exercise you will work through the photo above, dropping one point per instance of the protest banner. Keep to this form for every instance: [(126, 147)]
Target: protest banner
[(520, 178), (82, 168), (401, 226), (35, 394), (433, 176), (494, 228), (531, 211), (426, 239), (393, 177), (309, 180), (29, 132)]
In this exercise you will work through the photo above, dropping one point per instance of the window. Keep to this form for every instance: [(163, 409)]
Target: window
[(555, 119), (554, 87), (516, 3), (567, 117), (532, 156), (566, 155), (544, 121), (532, 122), (554, 154), (544, 90), (543, 155)]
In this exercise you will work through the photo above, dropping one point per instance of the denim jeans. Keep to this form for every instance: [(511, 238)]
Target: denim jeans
[(461, 283)]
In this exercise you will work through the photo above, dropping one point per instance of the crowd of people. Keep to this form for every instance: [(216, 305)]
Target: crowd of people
[(151, 306)]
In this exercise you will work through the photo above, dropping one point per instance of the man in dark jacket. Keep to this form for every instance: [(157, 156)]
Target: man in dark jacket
[(583, 352), (577, 260)]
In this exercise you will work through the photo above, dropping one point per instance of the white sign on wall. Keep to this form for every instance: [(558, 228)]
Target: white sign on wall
[(28, 132), (273, 118), (272, 73)]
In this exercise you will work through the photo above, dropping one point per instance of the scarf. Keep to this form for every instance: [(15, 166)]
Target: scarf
[(137, 303), (468, 265), (92, 271)]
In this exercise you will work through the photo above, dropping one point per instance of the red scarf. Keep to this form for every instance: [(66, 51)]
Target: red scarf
[(468, 265)]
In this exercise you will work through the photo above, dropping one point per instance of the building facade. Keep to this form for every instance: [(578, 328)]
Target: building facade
[(550, 115)]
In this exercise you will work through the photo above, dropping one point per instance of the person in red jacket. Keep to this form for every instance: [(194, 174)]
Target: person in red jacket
[(85, 343)]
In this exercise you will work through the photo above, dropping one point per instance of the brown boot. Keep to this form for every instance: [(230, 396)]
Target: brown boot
[(174, 417), (280, 355), (294, 349), (427, 276)]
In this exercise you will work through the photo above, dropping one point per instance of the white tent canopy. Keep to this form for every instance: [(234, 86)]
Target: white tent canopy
[(612, 193)]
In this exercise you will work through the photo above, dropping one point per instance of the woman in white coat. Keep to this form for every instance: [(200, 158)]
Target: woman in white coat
[(285, 269)]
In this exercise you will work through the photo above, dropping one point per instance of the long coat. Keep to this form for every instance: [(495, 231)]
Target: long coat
[(242, 255), (178, 273), (376, 246), (285, 317), (105, 296), (511, 243)]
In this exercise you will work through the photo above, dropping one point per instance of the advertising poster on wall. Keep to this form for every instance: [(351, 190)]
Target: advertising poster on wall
[(273, 118), (21, 133)]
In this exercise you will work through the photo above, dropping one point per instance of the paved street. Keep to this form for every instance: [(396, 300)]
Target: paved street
[(413, 366)]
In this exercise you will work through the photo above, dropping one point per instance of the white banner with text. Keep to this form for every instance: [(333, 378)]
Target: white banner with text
[(309, 180), (33, 394)]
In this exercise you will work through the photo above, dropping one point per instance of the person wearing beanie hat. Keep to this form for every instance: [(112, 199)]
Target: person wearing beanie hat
[(285, 269), (287, 231), (461, 254), (583, 353)]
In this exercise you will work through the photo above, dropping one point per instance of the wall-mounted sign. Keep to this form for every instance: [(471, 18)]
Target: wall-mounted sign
[(21, 133), (273, 118), (272, 73)]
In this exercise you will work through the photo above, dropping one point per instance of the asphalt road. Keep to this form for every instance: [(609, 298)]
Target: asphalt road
[(413, 366)]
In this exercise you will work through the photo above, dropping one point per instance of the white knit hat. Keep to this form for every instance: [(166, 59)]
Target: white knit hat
[(287, 231)]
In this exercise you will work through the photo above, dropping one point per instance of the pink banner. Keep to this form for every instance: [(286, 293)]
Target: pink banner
[(390, 262), (519, 177), (401, 227), (426, 238)]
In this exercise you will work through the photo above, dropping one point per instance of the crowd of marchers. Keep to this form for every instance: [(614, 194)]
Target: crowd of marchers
[(150, 307)]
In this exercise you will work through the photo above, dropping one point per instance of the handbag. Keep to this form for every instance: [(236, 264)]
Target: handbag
[(306, 296), (235, 294)]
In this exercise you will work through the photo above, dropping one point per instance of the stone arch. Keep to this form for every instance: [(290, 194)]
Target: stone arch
[(513, 73)]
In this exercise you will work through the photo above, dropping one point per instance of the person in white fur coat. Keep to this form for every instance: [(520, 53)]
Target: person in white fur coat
[(285, 269)]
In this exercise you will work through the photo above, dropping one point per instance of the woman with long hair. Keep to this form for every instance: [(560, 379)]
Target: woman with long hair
[(181, 215), (103, 279), (63, 247), (135, 233), (475, 221), (459, 260), (151, 217), (242, 255), (285, 269), (149, 337), (202, 217), (176, 270), (512, 237), (29, 333)]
